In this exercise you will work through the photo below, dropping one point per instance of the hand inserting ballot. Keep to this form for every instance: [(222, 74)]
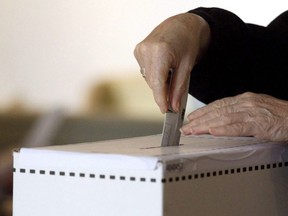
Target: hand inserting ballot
[(176, 43), (236, 68)]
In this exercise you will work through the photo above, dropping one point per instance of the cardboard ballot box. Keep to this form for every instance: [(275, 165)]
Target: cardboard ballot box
[(136, 177)]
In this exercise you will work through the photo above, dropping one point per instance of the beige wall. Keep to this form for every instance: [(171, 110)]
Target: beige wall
[(53, 51)]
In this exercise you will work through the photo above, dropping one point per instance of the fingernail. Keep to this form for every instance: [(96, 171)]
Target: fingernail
[(184, 132), (177, 107), (192, 131), (163, 110)]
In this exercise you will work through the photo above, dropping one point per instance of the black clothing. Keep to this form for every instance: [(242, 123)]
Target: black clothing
[(242, 57)]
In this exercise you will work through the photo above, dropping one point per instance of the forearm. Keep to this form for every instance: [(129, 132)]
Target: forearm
[(216, 71), (241, 57)]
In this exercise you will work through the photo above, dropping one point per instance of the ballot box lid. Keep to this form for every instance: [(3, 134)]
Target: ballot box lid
[(145, 153)]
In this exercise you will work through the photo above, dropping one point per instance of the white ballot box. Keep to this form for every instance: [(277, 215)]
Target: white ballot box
[(204, 176)]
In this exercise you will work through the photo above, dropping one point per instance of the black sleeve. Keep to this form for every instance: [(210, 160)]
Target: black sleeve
[(241, 57)]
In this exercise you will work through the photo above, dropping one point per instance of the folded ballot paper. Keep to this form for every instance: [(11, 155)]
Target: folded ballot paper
[(205, 175)]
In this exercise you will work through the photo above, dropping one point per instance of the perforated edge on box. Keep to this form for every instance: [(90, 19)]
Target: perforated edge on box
[(177, 178)]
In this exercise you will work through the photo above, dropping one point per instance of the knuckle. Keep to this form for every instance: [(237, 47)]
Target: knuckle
[(239, 129), (248, 94), (218, 113)]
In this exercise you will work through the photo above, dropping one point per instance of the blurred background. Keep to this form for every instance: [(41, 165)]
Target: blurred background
[(68, 74)]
